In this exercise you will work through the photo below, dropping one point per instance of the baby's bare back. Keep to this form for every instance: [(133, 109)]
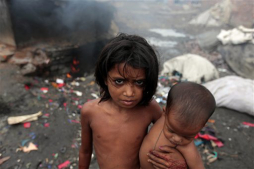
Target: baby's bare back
[(117, 137)]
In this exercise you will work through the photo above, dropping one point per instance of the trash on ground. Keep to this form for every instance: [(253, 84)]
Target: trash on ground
[(236, 36), (230, 90), (192, 67), (2, 160), (27, 125), (24, 118), (63, 165), (248, 124), (209, 137), (30, 147)]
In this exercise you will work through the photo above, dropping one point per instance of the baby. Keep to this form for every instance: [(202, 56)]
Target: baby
[(189, 106)]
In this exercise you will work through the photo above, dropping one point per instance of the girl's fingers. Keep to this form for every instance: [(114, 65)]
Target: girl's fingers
[(156, 165), (167, 158), (158, 161), (168, 153), (160, 156), (167, 149)]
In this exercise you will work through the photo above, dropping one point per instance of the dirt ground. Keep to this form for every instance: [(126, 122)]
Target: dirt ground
[(60, 141), (57, 132)]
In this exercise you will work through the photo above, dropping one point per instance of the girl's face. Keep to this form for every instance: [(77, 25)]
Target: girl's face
[(125, 85), (177, 133)]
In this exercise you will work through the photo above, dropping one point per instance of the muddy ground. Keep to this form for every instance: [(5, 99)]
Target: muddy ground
[(57, 132)]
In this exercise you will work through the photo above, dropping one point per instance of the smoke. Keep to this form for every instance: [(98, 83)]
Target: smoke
[(74, 20)]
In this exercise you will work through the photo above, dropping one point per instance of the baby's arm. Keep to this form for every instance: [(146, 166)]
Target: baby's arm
[(192, 156), (86, 147)]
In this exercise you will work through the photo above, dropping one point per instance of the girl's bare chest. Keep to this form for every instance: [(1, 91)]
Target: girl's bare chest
[(127, 129)]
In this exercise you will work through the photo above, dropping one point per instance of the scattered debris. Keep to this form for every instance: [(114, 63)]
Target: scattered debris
[(2, 160), (248, 124), (211, 138), (27, 125), (30, 147), (236, 36), (24, 118), (63, 165), (230, 90), (193, 68)]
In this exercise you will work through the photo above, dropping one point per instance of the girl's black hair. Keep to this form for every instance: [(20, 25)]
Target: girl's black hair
[(134, 51)]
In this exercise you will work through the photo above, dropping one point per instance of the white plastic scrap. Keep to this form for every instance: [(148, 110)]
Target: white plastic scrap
[(95, 95), (78, 93), (75, 83), (59, 81), (236, 36), (81, 78)]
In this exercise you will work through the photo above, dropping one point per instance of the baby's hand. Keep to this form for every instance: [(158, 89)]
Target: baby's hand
[(167, 158)]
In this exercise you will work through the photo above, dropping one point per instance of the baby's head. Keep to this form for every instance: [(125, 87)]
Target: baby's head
[(133, 51), (189, 106)]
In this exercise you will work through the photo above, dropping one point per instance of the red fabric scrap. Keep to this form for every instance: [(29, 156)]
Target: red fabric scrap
[(27, 87), (75, 121), (63, 165), (44, 89), (218, 143), (60, 85), (47, 115), (46, 125), (27, 125), (248, 124), (209, 137)]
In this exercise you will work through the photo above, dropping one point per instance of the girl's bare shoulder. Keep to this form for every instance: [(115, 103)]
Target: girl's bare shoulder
[(152, 111), (90, 107), (153, 106)]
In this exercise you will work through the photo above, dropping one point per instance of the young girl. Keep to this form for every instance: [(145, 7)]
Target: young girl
[(116, 124)]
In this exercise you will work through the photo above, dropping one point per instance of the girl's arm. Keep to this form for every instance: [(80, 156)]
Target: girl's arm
[(192, 156), (86, 147), (156, 110)]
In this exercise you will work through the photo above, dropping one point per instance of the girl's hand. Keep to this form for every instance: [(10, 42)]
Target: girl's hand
[(167, 158)]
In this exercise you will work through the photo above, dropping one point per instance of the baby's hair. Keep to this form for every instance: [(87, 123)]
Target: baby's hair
[(134, 51), (192, 103)]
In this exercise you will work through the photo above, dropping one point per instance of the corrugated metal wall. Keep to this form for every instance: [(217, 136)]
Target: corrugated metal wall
[(6, 32)]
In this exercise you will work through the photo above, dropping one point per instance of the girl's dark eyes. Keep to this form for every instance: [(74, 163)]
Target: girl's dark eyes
[(139, 82), (119, 81)]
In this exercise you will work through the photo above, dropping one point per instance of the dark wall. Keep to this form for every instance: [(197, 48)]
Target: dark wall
[(73, 21), (80, 23), (6, 34)]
